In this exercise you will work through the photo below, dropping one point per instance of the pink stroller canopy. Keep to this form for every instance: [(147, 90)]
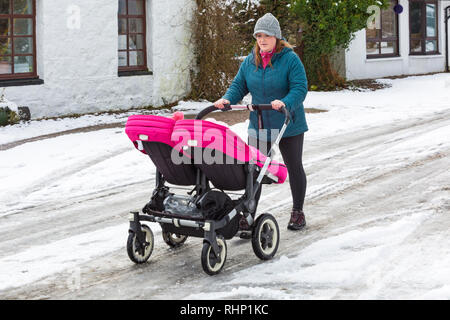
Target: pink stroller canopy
[(209, 136)]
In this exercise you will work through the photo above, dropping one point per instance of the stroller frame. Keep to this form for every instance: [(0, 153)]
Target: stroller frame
[(138, 241)]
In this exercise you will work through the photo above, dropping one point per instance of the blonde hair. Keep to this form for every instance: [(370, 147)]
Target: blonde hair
[(280, 45)]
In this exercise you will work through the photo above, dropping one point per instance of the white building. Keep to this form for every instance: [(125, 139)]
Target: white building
[(411, 42), (77, 56)]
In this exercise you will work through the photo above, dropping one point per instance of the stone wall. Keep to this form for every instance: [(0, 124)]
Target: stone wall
[(77, 58)]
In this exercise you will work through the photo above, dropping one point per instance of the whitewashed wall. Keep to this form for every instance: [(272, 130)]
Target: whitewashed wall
[(172, 49), (79, 65), (359, 67)]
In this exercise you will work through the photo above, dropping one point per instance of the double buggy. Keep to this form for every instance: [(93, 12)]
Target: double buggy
[(212, 160)]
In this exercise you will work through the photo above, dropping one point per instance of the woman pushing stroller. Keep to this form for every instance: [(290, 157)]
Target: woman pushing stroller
[(275, 77), (273, 74)]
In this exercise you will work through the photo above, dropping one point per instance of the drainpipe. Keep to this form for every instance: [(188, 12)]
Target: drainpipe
[(447, 17)]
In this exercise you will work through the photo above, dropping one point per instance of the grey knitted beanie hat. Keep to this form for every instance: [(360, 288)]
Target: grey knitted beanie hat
[(269, 25)]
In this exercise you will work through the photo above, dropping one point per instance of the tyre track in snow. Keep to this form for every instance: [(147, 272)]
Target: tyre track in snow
[(54, 221), (155, 257), (174, 274), (169, 272), (10, 145), (54, 178), (56, 218)]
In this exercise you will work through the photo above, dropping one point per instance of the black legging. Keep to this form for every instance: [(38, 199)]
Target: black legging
[(291, 149)]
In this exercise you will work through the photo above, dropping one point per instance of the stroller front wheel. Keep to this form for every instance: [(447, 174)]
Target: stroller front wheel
[(265, 237), (140, 252), (211, 264)]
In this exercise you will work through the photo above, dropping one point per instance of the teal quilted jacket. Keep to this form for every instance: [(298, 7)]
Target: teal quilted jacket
[(285, 81)]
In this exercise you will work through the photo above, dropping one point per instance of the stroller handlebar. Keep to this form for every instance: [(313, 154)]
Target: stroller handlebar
[(251, 107)]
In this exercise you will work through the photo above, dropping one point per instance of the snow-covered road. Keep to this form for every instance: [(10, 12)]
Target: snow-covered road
[(377, 208)]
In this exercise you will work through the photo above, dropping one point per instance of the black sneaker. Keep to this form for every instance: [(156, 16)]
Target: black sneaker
[(297, 221)]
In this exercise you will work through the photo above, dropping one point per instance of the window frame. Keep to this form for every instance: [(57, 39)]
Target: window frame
[(424, 38), (143, 16), (380, 39), (11, 16)]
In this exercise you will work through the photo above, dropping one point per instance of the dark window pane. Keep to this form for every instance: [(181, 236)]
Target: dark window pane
[(416, 19), (122, 6), (23, 27), (136, 42), (136, 25), (5, 65), (5, 46), (131, 37), (23, 45), (23, 64), (136, 7), (17, 37), (4, 6), (4, 27), (122, 58), (23, 6), (431, 20), (373, 48), (416, 46), (122, 26), (136, 58)]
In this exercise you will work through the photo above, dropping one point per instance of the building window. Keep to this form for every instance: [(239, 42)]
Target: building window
[(17, 39), (383, 41), (132, 35), (423, 24)]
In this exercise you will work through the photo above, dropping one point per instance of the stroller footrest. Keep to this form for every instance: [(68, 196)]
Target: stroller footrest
[(176, 220), (169, 215), (180, 222)]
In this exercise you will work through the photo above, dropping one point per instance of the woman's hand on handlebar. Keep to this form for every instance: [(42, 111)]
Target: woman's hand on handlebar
[(277, 104), (219, 104)]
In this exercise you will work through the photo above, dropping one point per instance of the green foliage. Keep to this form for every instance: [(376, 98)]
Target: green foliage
[(247, 12), (281, 9), (223, 30), (328, 25), (4, 116), (7, 116), (216, 44)]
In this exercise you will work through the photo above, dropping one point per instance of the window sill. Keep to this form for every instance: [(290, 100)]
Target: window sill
[(20, 82), (134, 73), (380, 59), (427, 56)]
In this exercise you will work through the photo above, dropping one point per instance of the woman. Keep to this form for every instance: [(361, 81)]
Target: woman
[(274, 74)]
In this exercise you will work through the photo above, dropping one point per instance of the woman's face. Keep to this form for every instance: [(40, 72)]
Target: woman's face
[(266, 42)]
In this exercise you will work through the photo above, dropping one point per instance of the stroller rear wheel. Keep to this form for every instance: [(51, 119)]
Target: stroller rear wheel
[(211, 264), (172, 239), (265, 237), (140, 252)]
